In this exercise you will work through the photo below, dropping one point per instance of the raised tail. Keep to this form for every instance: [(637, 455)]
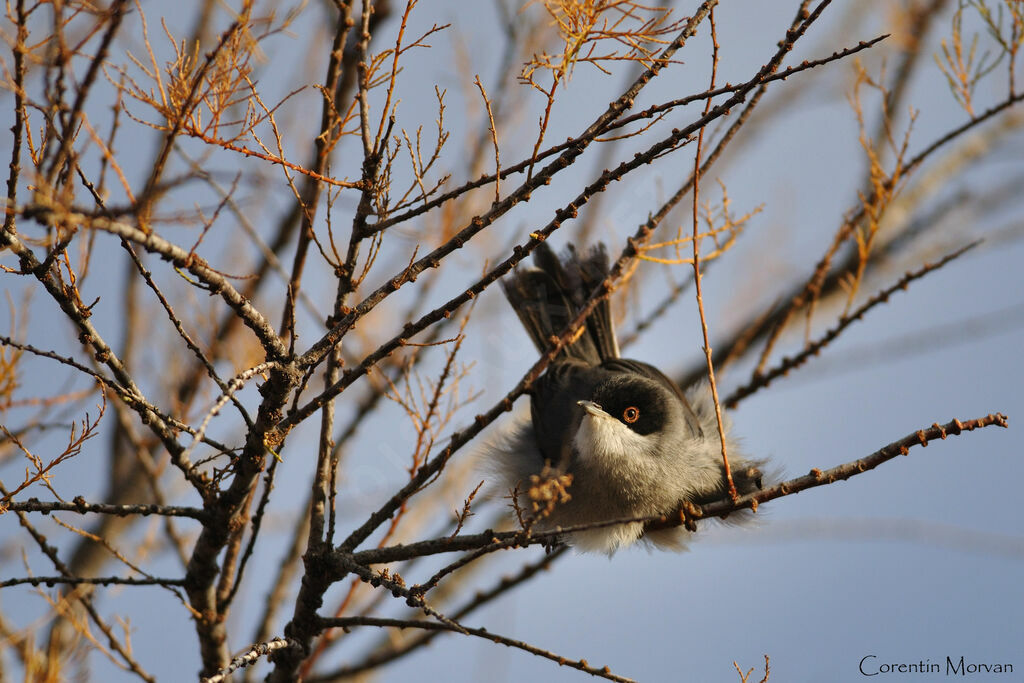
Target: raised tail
[(546, 299)]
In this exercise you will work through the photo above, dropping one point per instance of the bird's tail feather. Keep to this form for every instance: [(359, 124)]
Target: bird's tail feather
[(546, 299)]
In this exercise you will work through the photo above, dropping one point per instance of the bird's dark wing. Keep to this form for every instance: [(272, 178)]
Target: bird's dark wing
[(553, 406)]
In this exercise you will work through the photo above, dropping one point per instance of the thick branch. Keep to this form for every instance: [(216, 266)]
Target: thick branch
[(81, 506), (93, 581)]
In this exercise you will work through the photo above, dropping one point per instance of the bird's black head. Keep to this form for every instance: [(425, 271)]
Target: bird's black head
[(637, 402)]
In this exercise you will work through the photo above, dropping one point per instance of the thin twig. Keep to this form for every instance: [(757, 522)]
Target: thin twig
[(579, 665), (696, 270), (494, 140), (811, 349)]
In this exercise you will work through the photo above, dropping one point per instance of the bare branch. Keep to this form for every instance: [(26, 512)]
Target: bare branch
[(512, 539), (579, 665)]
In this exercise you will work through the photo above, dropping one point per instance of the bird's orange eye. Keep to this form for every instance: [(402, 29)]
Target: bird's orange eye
[(631, 414)]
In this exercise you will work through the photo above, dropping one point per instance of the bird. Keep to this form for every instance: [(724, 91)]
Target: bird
[(607, 438)]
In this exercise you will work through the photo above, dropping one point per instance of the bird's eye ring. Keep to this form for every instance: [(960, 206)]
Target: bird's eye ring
[(631, 415)]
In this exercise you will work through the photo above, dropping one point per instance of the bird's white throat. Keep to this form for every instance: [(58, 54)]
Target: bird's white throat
[(603, 440)]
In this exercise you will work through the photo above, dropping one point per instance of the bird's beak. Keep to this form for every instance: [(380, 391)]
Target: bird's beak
[(592, 409)]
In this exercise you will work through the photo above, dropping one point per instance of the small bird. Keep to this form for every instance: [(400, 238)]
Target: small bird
[(608, 438)]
